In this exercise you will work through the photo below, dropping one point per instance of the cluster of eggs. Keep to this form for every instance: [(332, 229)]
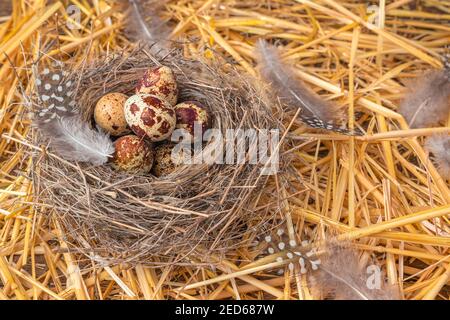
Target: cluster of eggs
[(145, 121)]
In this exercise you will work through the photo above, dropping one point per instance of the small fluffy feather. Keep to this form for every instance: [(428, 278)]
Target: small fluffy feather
[(154, 32), (426, 101), (340, 277), (439, 146), (72, 139), (294, 93)]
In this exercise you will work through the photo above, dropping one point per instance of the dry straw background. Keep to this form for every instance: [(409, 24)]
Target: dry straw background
[(380, 191)]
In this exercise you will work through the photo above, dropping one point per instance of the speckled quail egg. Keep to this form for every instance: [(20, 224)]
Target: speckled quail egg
[(188, 113), (133, 155), (165, 162), (109, 114), (161, 82), (149, 116)]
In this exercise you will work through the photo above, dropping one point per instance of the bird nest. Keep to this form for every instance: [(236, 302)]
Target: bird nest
[(198, 210)]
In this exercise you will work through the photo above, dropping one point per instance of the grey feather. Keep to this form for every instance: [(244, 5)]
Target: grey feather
[(72, 139), (426, 101), (293, 93), (153, 32), (340, 277), (439, 146)]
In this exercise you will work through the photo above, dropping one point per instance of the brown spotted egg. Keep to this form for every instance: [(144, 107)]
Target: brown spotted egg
[(132, 154), (163, 164), (149, 116), (190, 112), (109, 114), (161, 82)]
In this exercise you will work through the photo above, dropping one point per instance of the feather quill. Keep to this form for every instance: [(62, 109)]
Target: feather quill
[(155, 32), (439, 146), (72, 139), (426, 102), (340, 277), (294, 93)]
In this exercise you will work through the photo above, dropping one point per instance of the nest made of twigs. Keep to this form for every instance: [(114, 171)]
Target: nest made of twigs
[(197, 210)]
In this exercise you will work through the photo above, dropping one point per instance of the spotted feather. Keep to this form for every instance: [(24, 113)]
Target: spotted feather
[(56, 94)]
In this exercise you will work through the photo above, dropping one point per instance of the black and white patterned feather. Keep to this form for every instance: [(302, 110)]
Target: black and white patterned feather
[(56, 94), (59, 121), (293, 93)]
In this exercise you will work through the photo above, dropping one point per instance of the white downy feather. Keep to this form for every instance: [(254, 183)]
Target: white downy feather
[(72, 139)]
